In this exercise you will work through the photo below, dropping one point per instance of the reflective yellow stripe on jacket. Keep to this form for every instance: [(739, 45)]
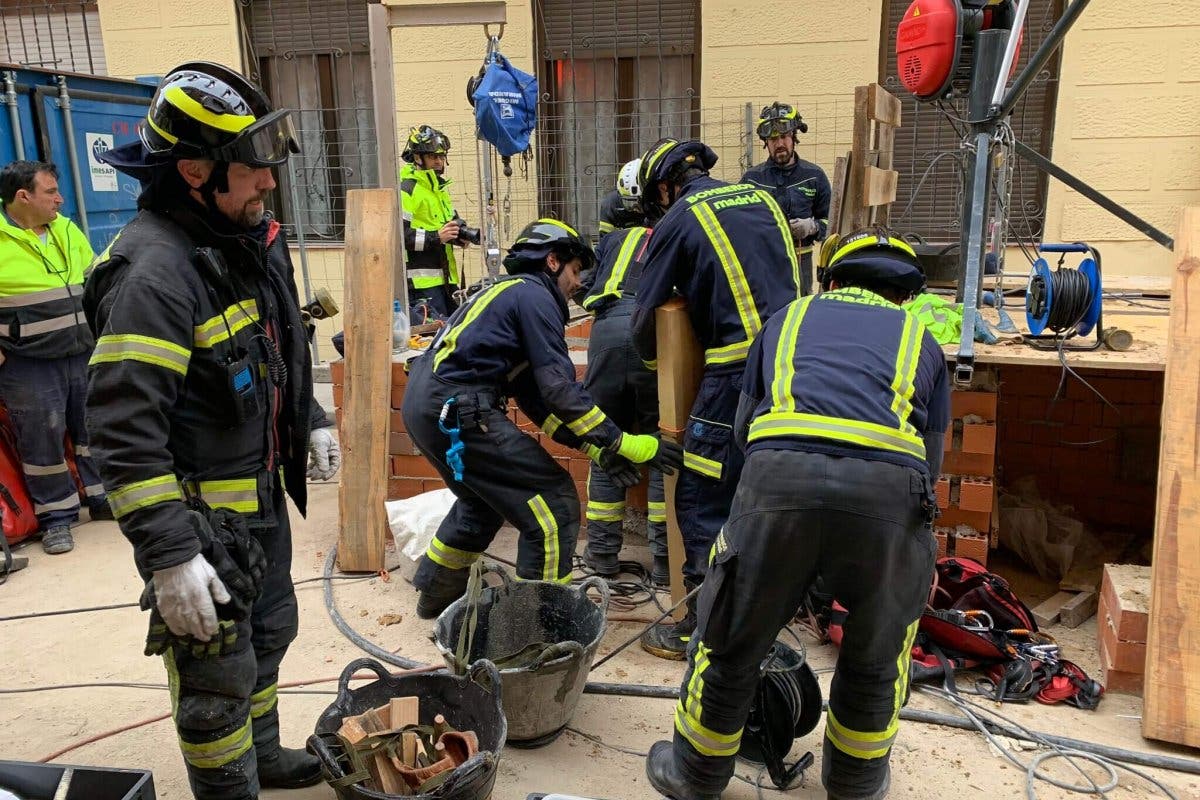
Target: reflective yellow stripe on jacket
[(616, 281), (739, 288), (446, 345)]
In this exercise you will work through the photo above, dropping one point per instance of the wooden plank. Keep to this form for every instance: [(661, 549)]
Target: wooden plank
[(837, 200), (860, 144), (372, 236), (680, 365), (886, 146), (1172, 699), (404, 711), (883, 106), (879, 185), (1079, 610), (1046, 613)]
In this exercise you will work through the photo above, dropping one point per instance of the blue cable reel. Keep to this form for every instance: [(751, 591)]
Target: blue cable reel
[(1064, 303)]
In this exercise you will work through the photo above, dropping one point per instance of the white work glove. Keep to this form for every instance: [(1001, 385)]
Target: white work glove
[(803, 228), (185, 595), (324, 455)]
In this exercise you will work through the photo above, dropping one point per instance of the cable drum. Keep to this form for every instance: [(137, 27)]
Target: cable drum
[(1064, 301), (787, 705)]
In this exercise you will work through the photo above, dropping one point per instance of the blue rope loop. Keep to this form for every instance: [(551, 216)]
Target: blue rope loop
[(454, 458)]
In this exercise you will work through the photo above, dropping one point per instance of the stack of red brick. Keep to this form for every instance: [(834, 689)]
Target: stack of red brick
[(1122, 622), (966, 491), (411, 474)]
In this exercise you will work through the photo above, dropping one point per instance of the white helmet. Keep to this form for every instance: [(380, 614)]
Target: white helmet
[(627, 181)]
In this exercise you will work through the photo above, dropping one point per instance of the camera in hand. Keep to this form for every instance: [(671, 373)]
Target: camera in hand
[(466, 234)]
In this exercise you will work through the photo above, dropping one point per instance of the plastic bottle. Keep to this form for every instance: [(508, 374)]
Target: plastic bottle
[(400, 327)]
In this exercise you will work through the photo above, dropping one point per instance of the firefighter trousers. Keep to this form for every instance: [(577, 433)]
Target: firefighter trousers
[(627, 392), (506, 476), (862, 527), (225, 707), (45, 400), (712, 465)]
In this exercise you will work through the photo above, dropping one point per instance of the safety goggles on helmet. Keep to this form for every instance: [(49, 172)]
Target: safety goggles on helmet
[(779, 119), (266, 142), (427, 139)]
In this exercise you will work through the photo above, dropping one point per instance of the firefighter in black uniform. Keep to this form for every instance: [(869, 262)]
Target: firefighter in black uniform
[(200, 408), (621, 208), (800, 187), (627, 391), (844, 404), (509, 341), (727, 249)]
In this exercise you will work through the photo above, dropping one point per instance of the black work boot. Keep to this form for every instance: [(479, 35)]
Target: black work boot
[(660, 573), (660, 769), (288, 768), (443, 588), (606, 565), (669, 639)]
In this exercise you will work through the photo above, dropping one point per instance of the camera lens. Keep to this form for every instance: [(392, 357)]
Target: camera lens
[(470, 235)]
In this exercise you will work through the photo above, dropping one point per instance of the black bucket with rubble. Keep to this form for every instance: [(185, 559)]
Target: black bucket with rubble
[(542, 636), (469, 702)]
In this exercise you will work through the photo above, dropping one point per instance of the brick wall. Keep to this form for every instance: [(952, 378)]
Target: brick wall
[(1102, 460)]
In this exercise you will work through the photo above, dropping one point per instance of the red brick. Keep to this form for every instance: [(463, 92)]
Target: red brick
[(1116, 680), (1125, 656), (339, 395), (580, 371), (1015, 431), (399, 374), (1032, 409), (1088, 412), (948, 442), (397, 397), (981, 403), (943, 536), (554, 448), (413, 467), (976, 494), (957, 462), (1130, 622), (396, 423), (953, 516), (337, 416), (401, 444), (579, 468), (942, 491), (337, 371), (432, 485), (979, 439), (637, 496), (973, 545), (564, 462), (403, 488)]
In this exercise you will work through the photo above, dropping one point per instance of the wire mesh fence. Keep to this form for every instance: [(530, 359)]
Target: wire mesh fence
[(52, 34)]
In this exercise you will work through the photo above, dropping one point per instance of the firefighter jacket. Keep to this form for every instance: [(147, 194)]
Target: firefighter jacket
[(41, 290), (728, 250), (802, 190), (615, 214), (509, 339), (619, 261), (845, 373), (427, 207), (181, 396)]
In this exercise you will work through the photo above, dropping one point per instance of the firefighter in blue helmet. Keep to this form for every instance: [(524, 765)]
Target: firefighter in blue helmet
[(624, 388), (845, 402), (509, 341), (727, 249), (201, 413), (800, 187)]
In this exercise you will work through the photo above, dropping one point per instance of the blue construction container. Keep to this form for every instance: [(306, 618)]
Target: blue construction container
[(68, 118)]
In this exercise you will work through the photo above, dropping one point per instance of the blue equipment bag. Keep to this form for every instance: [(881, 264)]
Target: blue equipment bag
[(505, 103)]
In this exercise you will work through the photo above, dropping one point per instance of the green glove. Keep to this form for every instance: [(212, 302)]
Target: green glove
[(638, 448)]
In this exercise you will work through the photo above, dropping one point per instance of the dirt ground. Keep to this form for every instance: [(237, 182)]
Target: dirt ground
[(928, 761)]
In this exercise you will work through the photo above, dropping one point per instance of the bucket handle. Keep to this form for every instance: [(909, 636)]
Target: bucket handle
[(555, 652), (484, 674), (353, 667), (600, 585), (505, 579)]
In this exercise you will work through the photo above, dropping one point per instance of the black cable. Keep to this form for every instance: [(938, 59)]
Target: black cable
[(1070, 298)]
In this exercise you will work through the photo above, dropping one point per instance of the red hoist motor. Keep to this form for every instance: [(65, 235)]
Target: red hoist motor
[(933, 42)]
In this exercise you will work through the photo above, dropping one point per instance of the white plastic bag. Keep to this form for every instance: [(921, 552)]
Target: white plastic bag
[(413, 523)]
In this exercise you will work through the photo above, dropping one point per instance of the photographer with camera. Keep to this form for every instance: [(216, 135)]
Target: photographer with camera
[(431, 226)]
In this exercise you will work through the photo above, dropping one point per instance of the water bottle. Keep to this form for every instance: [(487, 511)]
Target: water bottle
[(399, 327)]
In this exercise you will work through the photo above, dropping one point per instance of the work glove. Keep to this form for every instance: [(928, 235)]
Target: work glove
[(186, 596), (664, 455), (619, 468), (803, 228), (324, 455)]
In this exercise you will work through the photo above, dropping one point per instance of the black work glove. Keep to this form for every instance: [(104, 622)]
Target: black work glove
[(668, 458)]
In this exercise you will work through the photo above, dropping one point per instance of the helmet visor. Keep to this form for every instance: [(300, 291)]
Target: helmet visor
[(769, 128), (265, 143)]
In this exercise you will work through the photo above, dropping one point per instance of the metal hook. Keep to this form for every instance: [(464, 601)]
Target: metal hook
[(488, 33)]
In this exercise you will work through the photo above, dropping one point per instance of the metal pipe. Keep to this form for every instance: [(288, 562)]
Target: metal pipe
[(1052, 43), (1108, 204), (1010, 52), (749, 135), (303, 256), (64, 102), (10, 100)]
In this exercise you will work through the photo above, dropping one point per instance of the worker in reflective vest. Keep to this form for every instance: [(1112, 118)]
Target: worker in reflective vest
[(727, 249), (845, 402), (44, 347)]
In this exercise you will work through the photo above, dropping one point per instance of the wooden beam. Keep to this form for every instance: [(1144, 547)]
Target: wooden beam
[(837, 200), (882, 106), (860, 144), (1172, 688), (383, 100), (680, 365), (489, 12), (372, 233), (879, 186)]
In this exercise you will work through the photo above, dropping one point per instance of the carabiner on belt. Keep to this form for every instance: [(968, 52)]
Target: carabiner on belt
[(454, 454)]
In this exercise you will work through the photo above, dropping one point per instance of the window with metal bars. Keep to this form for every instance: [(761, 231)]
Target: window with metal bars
[(52, 34), (313, 56), (615, 76), (928, 155)]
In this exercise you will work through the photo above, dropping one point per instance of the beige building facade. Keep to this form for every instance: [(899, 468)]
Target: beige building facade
[(1126, 117)]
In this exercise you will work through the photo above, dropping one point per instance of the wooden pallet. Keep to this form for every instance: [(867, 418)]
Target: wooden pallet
[(864, 183)]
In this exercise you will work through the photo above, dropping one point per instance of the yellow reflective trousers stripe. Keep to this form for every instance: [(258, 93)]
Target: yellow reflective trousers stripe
[(482, 300), (656, 511), (690, 707), (264, 701), (545, 519), (449, 557), (207, 755)]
